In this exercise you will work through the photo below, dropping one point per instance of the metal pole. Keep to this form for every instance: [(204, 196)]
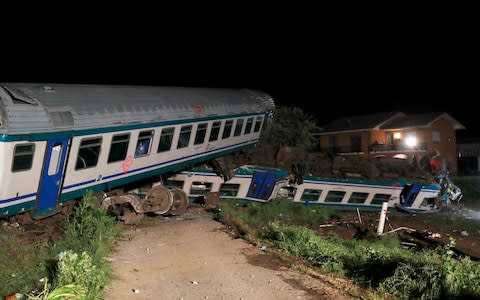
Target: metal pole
[(383, 215)]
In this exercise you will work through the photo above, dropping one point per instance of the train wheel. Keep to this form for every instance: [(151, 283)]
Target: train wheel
[(158, 200), (180, 202)]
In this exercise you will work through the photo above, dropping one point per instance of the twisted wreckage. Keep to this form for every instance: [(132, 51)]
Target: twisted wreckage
[(336, 182), (263, 184)]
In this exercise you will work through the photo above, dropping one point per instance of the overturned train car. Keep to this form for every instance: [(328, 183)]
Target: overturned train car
[(59, 140)]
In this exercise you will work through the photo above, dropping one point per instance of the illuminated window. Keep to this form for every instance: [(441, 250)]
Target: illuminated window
[(143, 144), (411, 139)]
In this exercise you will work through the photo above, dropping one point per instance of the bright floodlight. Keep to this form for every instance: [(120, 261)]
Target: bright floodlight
[(411, 141)]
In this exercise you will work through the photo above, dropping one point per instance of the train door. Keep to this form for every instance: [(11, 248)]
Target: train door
[(409, 193), (262, 185), (52, 177)]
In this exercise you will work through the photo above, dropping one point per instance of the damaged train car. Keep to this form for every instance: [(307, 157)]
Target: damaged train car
[(59, 140)]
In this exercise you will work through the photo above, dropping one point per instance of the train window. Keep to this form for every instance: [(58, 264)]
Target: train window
[(227, 129), (238, 127), (173, 184), (258, 124), (166, 138), (55, 159), (358, 197), (23, 157), (229, 189), (201, 132), (311, 195), (248, 127), (287, 192), (118, 148), (380, 198), (334, 196), (143, 144), (200, 188), (88, 153), (214, 132), (184, 137)]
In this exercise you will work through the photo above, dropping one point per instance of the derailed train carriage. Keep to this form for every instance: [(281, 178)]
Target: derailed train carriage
[(262, 184), (59, 140)]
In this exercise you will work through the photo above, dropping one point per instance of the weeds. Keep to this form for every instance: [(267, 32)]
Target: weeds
[(76, 261), (21, 263), (378, 263), (441, 276), (70, 291), (469, 186), (258, 214)]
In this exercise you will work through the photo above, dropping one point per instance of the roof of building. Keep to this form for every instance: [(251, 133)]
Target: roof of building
[(387, 121), (357, 123), (420, 120)]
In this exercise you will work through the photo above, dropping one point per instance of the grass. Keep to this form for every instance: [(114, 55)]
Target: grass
[(381, 264), (75, 265), (257, 214), (77, 261), (21, 264), (470, 186)]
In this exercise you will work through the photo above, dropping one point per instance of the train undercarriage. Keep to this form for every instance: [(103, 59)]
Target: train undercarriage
[(131, 207), (153, 198)]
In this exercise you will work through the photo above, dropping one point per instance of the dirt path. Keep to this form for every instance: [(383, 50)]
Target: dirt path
[(197, 259)]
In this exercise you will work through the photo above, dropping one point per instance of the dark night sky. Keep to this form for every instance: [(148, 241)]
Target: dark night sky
[(325, 82), (330, 62)]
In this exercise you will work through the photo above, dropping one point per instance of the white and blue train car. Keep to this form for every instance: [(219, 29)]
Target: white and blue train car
[(59, 140), (262, 184)]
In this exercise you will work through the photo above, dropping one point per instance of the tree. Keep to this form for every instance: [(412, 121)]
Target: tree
[(291, 127)]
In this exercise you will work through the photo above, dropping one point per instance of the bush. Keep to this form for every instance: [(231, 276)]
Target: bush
[(442, 276), (80, 270)]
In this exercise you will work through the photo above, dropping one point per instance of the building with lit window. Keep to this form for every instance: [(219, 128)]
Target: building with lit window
[(394, 134)]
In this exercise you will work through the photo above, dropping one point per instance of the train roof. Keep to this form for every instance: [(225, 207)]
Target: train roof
[(27, 108)]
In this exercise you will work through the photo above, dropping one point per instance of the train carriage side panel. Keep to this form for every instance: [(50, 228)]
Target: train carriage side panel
[(104, 175), (20, 171), (69, 119), (86, 154)]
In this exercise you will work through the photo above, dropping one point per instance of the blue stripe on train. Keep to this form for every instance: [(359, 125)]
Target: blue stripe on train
[(122, 181), (102, 186)]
